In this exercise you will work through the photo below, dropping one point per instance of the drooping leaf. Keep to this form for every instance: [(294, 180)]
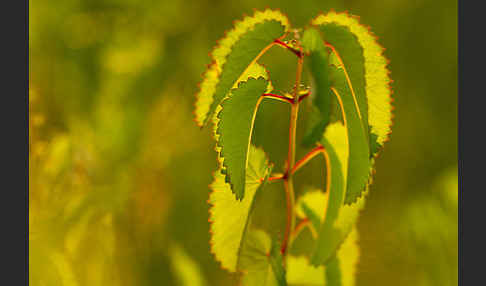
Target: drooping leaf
[(229, 217), (239, 49), (363, 58), (317, 63), (337, 218), (336, 154), (336, 151), (340, 271), (186, 270), (235, 126), (254, 71), (346, 46), (331, 237), (359, 164), (261, 261)]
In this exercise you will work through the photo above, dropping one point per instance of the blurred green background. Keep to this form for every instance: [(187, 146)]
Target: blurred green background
[(119, 172)]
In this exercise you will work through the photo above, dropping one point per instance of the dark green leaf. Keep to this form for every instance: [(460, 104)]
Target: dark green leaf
[(351, 54), (359, 164), (234, 129)]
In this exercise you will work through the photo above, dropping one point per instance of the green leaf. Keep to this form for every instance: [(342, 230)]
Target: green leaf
[(367, 68), (359, 164), (346, 45), (235, 126), (186, 270), (340, 271), (239, 49), (301, 272), (331, 237), (229, 217), (261, 261), (256, 71), (317, 63), (338, 218), (336, 151)]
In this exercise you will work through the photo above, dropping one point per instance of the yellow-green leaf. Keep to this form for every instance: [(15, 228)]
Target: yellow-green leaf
[(261, 261), (359, 164), (236, 52), (342, 272), (229, 217), (337, 218)]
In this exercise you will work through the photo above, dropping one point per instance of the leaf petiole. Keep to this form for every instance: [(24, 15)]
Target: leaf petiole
[(278, 97), (298, 53), (314, 152)]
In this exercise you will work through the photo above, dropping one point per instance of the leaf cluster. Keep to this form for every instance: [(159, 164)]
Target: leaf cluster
[(350, 122)]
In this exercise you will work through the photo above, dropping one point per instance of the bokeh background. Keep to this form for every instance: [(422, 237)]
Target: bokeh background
[(119, 172)]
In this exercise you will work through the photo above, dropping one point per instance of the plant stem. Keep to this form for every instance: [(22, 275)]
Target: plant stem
[(288, 179)]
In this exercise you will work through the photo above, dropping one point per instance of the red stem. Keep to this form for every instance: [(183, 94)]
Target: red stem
[(300, 225), (271, 95), (307, 157)]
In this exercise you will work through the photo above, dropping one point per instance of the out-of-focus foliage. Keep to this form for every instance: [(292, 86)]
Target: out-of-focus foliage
[(430, 224), (115, 160), (185, 269)]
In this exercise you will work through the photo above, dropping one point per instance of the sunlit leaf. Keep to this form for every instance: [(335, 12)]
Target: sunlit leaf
[(336, 151), (301, 272), (340, 271), (359, 164), (337, 218), (229, 217), (363, 58), (261, 261), (240, 47)]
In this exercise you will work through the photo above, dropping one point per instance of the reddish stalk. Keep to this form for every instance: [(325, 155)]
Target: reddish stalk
[(276, 178), (288, 181), (314, 152), (278, 97), (300, 226)]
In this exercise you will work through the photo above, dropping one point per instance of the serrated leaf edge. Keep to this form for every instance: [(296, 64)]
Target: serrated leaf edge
[(262, 181), (223, 47), (373, 49), (220, 148)]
